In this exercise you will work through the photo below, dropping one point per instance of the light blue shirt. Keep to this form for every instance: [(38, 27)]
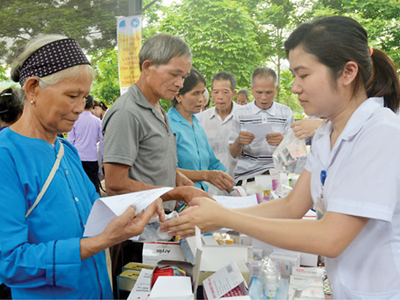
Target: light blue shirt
[(194, 150), (40, 255)]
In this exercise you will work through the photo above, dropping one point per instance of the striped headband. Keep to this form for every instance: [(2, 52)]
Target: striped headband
[(52, 58)]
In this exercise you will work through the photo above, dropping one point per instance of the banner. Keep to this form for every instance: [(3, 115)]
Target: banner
[(129, 33)]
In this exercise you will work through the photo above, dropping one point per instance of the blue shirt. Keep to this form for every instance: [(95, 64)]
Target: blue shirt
[(194, 150), (40, 255)]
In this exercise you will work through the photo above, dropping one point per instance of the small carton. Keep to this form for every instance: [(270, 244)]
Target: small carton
[(153, 252), (141, 289), (226, 282), (126, 280), (285, 260), (172, 288), (306, 287)]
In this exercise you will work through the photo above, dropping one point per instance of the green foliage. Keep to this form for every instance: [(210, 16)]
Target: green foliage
[(378, 17), (92, 23), (287, 97), (221, 34), (106, 84)]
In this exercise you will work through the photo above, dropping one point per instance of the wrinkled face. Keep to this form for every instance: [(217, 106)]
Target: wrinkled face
[(166, 80), (242, 99), (264, 91), (313, 84), (222, 94), (192, 101), (58, 106)]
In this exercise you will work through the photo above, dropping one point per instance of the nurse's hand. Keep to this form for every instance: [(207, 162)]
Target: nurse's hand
[(221, 180), (274, 139), (204, 213)]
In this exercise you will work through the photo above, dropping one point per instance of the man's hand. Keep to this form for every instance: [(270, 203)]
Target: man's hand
[(221, 180), (274, 139), (245, 137), (184, 193), (182, 180), (306, 128)]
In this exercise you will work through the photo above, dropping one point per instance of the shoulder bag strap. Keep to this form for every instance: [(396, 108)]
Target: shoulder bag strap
[(48, 180)]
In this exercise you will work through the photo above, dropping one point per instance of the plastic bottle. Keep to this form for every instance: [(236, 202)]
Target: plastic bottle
[(270, 277)]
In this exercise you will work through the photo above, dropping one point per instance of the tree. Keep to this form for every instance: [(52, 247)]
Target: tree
[(221, 34), (92, 23), (275, 19), (379, 18)]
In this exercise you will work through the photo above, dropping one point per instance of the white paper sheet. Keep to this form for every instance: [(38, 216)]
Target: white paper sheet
[(141, 289), (236, 202), (260, 130), (107, 208)]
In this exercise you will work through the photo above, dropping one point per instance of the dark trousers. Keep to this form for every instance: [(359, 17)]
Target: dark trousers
[(5, 292), (92, 170)]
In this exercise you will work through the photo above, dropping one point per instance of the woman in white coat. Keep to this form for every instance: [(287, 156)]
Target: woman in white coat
[(352, 175)]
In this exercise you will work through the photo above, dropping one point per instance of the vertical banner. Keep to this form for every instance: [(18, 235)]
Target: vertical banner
[(129, 33)]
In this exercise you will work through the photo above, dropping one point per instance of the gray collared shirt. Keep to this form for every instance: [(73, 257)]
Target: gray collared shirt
[(135, 134)]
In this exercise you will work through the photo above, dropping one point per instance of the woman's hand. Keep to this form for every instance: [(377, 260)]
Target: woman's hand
[(118, 230), (221, 180), (128, 224), (204, 213)]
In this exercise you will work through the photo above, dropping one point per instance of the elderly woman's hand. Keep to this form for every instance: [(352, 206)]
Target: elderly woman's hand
[(129, 224)]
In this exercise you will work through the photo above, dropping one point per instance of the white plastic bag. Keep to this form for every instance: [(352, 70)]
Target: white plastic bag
[(291, 154)]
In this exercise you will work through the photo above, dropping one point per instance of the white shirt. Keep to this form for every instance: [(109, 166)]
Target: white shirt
[(363, 179), (256, 158), (218, 131)]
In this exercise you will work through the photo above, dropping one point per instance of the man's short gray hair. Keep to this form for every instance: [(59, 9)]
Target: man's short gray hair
[(161, 48), (245, 92), (264, 72)]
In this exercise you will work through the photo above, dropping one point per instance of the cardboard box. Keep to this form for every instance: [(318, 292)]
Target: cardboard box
[(153, 252), (285, 260), (215, 257), (224, 281), (141, 289), (126, 280), (136, 267), (172, 288), (306, 287), (306, 259)]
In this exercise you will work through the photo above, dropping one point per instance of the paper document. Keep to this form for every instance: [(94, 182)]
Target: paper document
[(260, 130), (141, 289), (107, 208), (236, 202)]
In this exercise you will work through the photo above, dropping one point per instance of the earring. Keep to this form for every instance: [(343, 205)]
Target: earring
[(32, 102)]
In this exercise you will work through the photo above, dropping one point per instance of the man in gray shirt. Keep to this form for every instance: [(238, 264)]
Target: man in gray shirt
[(139, 146)]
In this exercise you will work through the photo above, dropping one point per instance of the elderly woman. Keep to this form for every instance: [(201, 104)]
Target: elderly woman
[(46, 196), (195, 156)]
